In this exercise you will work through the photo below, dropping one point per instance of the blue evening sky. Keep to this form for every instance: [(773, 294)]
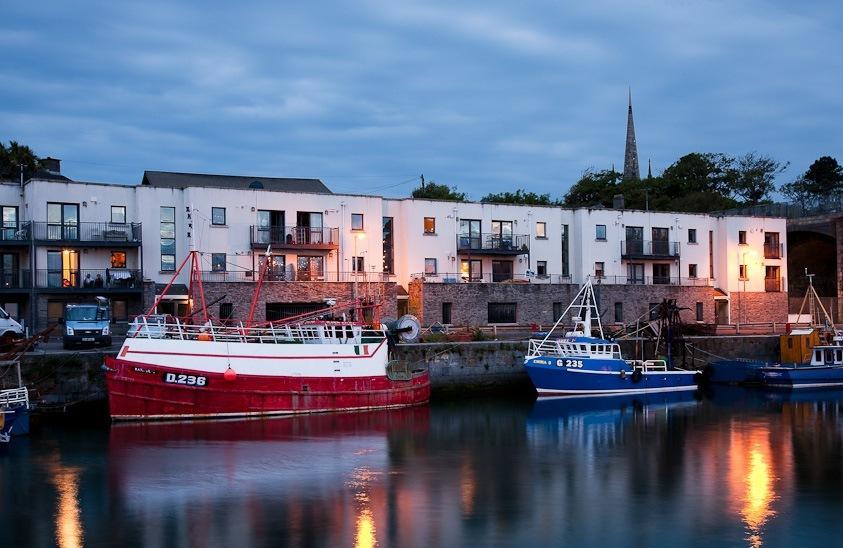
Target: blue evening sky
[(368, 94)]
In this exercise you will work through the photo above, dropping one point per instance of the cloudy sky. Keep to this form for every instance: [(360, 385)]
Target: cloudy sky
[(368, 94)]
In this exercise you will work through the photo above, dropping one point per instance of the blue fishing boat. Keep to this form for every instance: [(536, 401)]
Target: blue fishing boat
[(584, 363), (14, 413), (825, 370)]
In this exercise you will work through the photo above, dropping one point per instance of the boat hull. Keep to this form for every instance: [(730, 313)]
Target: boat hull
[(14, 420), (550, 379), (140, 391), (802, 377)]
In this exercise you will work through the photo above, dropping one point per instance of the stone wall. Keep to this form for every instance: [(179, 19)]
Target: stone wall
[(758, 307)]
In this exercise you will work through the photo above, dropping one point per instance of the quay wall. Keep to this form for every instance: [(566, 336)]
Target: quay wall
[(61, 379)]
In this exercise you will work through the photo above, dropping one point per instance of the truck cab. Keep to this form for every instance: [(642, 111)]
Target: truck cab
[(9, 328), (87, 324)]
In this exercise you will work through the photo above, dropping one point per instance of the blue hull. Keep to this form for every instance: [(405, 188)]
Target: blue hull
[(806, 376), (602, 377), (736, 371), (15, 421)]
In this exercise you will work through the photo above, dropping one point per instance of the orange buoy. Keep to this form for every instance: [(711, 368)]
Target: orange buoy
[(204, 337), (230, 374)]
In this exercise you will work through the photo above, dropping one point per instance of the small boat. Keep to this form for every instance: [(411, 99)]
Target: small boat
[(580, 363), (825, 370), (14, 413), (172, 368)]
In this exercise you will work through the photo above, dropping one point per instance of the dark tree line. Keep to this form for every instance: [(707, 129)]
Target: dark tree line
[(14, 156)]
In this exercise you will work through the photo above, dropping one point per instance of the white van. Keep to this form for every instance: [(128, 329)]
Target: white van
[(9, 328)]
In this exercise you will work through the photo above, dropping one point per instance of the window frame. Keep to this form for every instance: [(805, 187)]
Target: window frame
[(693, 271), (433, 261), (541, 269), (597, 233), (118, 207), (214, 264), (699, 311), (742, 237), (214, 222), (432, 229), (692, 240), (602, 269), (355, 216), (358, 265), (161, 224), (541, 234), (118, 252), (510, 305), (743, 273)]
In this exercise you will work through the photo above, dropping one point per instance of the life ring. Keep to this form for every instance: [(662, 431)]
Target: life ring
[(637, 375)]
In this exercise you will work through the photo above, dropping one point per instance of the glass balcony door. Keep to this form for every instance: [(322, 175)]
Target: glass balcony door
[(502, 234), (470, 234), (62, 221), (63, 268), (9, 264)]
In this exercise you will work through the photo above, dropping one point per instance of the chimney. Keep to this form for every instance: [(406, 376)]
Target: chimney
[(53, 165), (617, 201)]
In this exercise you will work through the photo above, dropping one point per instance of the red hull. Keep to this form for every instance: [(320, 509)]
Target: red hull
[(137, 391)]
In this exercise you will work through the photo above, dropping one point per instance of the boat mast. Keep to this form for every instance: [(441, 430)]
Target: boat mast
[(267, 261), (585, 298)]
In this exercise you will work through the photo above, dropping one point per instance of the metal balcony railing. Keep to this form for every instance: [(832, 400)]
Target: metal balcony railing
[(494, 244), (106, 233), (773, 250), (292, 275), (653, 280), (94, 279), (488, 277), (15, 232), (649, 248), (301, 237), (773, 284), (14, 279)]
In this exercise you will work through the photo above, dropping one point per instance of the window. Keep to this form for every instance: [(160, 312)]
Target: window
[(55, 310), (742, 237), (600, 233), (218, 216), (118, 214), (599, 270), (635, 273), (772, 248), (10, 224), (471, 270), (692, 271), (388, 247), (218, 262), (356, 221), (541, 230), (62, 221), (772, 279), (557, 310), (119, 310), (661, 273), (692, 235), (501, 313), (742, 272), (430, 266), (430, 225), (470, 235), (226, 311), (541, 269), (357, 264), (699, 312), (168, 238), (118, 259), (446, 312), (619, 312), (565, 269)]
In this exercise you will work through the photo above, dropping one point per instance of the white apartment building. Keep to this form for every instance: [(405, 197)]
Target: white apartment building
[(64, 241)]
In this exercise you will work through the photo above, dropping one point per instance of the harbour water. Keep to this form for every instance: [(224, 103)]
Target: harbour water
[(736, 468)]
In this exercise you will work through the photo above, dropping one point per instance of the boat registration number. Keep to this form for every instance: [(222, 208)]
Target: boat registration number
[(569, 363), (189, 380)]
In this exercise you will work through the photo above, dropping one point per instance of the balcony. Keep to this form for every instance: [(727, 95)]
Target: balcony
[(16, 234), (649, 249), (653, 280), (773, 250), (493, 244), (488, 277), (14, 281), (295, 237), (222, 276), (89, 280), (89, 234), (773, 285)]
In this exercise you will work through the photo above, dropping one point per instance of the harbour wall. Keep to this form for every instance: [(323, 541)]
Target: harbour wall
[(65, 379)]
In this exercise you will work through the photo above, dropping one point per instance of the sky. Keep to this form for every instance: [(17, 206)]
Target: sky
[(367, 95)]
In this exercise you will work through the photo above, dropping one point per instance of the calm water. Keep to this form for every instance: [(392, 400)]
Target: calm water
[(738, 469)]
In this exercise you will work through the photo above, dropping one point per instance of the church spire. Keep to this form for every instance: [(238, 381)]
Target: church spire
[(630, 161)]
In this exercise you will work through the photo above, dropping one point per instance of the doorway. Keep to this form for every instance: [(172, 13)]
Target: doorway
[(501, 271), (63, 268), (721, 312)]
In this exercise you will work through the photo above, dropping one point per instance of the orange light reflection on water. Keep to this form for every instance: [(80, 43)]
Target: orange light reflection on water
[(365, 534), (752, 479), (69, 532)]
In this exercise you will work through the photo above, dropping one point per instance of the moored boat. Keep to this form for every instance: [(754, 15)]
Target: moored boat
[(14, 413), (580, 363), (825, 370), (174, 369)]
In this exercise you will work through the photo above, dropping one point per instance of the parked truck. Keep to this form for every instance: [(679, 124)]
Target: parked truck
[(87, 324)]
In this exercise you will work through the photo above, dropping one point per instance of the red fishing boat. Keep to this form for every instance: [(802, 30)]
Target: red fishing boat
[(174, 368)]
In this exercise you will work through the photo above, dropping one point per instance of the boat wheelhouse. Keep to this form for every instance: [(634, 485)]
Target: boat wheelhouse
[(580, 363)]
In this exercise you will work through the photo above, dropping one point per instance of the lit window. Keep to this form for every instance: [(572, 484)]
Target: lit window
[(430, 266), (430, 225), (742, 272), (118, 259), (541, 229), (217, 216), (118, 214), (600, 233), (356, 221)]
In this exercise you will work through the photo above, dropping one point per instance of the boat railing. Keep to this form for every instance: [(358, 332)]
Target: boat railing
[(327, 332), (648, 365), (540, 347), (14, 396)]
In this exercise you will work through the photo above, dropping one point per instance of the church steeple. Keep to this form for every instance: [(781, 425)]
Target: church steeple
[(630, 161)]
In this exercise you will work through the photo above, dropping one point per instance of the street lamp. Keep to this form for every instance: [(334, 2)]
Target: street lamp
[(358, 236)]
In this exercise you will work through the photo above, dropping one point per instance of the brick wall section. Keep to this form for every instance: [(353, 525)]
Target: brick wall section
[(240, 295), (758, 307), (535, 302), (415, 299)]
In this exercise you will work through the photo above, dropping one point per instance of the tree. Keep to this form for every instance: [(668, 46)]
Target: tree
[(15, 155), (434, 191), (519, 197), (823, 178), (595, 188), (697, 172), (752, 178)]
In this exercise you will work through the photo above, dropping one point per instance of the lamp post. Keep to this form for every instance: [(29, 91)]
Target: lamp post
[(354, 273)]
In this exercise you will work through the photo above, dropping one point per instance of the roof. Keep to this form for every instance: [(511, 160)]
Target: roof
[(170, 179)]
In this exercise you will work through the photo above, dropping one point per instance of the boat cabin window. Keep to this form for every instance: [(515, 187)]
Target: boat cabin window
[(829, 355), (818, 356), (838, 356)]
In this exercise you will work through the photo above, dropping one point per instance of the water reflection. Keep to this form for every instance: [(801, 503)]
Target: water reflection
[(68, 524), (752, 478)]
